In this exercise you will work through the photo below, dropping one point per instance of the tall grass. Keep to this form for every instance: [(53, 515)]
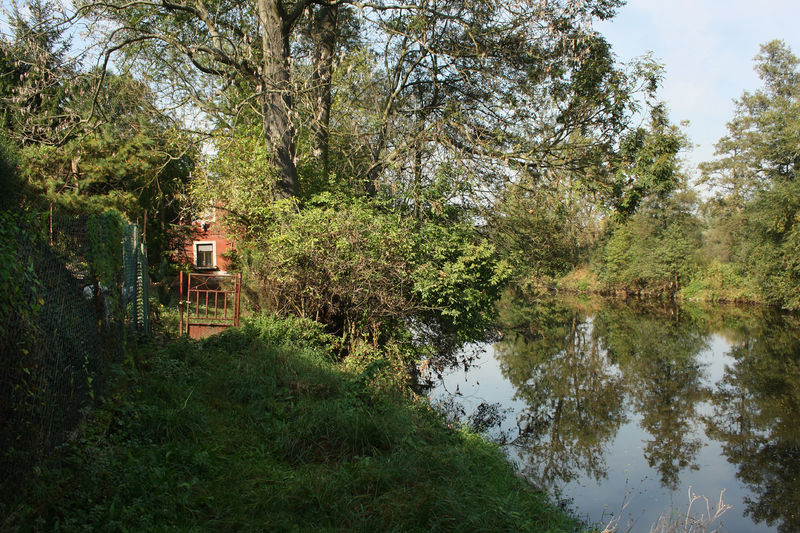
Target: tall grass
[(705, 520), (258, 429)]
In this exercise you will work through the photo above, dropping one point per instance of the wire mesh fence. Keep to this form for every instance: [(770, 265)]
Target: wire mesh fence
[(135, 282), (73, 293)]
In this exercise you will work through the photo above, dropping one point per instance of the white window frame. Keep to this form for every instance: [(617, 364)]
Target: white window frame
[(213, 244)]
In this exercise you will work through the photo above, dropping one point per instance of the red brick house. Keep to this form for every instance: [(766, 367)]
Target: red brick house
[(206, 245)]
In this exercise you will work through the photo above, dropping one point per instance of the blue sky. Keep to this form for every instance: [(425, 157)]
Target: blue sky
[(707, 49)]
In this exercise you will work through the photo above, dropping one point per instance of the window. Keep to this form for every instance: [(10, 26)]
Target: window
[(205, 254)]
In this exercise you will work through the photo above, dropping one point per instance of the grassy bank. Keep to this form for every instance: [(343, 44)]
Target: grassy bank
[(258, 430), (716, 283)]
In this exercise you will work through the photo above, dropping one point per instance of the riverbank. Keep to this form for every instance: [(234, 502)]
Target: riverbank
[(258, 429), (718, 283)]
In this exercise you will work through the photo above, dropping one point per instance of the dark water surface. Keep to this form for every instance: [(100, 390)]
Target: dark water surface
[(623, 409)]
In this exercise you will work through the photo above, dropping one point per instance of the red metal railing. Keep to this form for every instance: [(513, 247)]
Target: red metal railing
[(209, 303)]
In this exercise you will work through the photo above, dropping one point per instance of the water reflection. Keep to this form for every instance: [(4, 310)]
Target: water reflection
[(582, 370), (658, 356), (573, 396), (756, 415)]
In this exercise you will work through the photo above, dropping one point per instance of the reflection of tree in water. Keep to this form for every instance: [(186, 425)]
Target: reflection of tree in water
[(573, 375), (658, 358), (573, 396), (757, 417)]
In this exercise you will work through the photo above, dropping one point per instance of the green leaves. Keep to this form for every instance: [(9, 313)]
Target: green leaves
[(756, 178), (655, 249), (367, 273)]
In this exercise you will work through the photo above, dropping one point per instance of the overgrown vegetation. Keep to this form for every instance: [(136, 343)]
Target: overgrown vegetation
[(258, 429), (370, 274), (741, 244), (384, 170)]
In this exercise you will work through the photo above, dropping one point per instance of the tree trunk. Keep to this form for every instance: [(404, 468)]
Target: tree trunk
[(323, 35), (275, 94)]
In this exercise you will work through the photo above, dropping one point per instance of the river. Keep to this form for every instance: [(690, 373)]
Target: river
[(624, 411)]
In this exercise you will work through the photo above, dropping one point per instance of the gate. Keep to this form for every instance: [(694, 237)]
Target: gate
[(209, 303)]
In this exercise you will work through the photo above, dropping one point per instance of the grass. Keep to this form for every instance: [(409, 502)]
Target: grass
[(722, 282), (247, 432), (706, 520), (580, 279)]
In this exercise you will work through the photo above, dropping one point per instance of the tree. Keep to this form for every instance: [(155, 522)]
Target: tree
[(205, 49), (655, 250), (498, 92), (36, 71), (495, 97), (756, 177), (88, 141)]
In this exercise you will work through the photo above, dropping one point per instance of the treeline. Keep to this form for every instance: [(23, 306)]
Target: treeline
[(739, 240), (386, 169)]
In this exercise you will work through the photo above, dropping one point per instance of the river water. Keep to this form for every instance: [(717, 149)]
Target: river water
[(624, 410)]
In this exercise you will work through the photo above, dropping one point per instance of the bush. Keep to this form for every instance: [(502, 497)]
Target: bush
[(580, 279), (369, 274), (722, 282)]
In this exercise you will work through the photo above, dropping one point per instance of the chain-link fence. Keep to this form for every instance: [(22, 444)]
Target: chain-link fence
[(73, 293)]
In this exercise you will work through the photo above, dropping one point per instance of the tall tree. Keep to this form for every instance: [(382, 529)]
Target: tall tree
[(83, 140), (756, 176), (203, 49), (37, 76), (498, 91)]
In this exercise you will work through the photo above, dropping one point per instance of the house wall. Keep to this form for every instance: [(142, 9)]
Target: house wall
[(214, 232)]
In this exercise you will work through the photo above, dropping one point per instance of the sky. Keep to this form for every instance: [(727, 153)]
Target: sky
[(707, 49)]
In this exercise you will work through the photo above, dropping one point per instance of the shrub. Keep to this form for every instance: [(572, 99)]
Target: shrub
[(721, 282), (369, 274)]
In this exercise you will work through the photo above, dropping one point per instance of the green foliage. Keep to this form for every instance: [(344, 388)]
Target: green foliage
[(458, 277), (368, 273), (246, 432), (128, 158), (547, 227), (654, 251), (10, 182), (104, 250), (241, 179), (756, 179), (721, 282), (294, 331), (21, 291), (649, 163), (580, 279), (536, 231), (771, 243), (87, 141)]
